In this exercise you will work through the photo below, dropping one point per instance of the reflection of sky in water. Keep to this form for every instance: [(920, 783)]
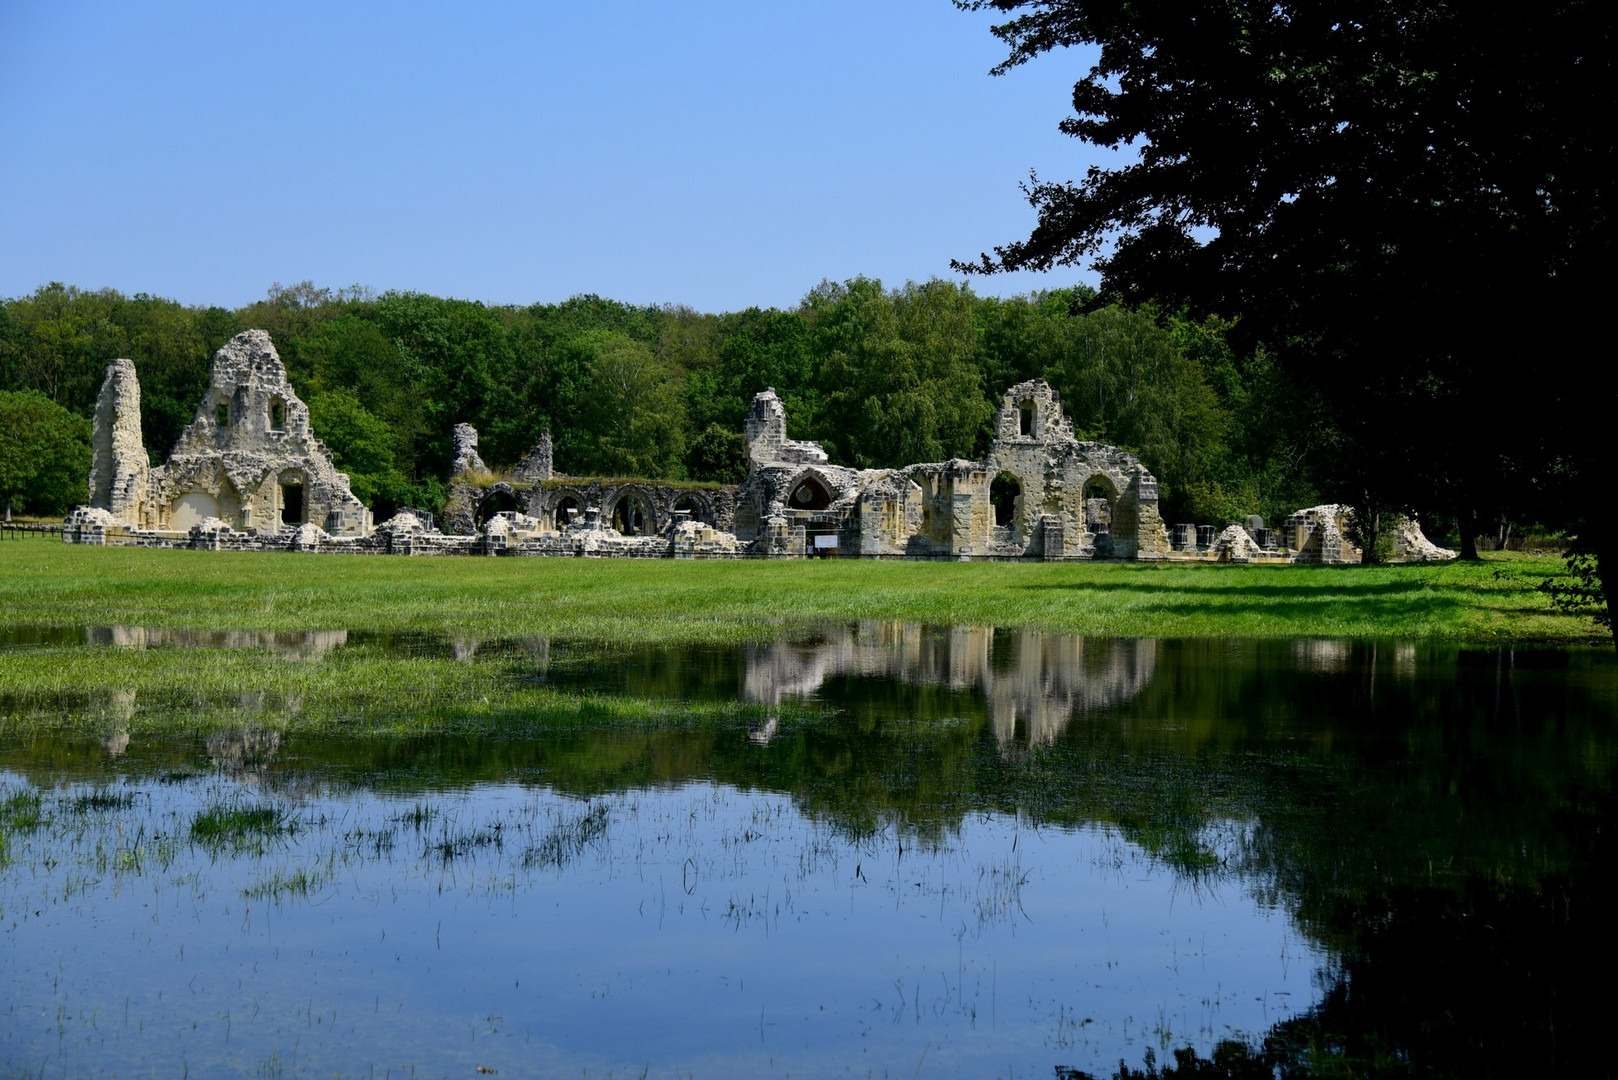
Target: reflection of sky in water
[(714, 928), (706, 930)]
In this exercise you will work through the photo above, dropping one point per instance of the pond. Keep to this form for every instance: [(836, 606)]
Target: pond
[(903, 850)]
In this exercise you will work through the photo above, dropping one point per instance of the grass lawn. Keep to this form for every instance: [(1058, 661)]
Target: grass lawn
[(48, 583), (373, 690)]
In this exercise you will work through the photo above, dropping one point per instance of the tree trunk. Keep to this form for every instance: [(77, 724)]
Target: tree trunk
[(1469, 534), (1606, 556)]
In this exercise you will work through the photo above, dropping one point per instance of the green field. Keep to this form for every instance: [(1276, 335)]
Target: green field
[(44, 583)]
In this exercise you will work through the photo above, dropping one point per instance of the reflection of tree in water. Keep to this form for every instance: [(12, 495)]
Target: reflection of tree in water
[(1449, 839), (1439, 818), (1482, 980), (1034, 682)]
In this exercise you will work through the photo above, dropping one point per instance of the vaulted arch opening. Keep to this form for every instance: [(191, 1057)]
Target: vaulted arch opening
[(697, 508), (630, 516), (498, 501), (1100, 499), (569, 511), (809, 494)]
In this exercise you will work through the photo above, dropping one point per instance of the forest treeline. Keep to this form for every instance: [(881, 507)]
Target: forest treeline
[(882, 376)]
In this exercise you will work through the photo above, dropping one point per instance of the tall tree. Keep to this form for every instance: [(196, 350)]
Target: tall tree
[(897, 370), (44, 454), (633, 409), (1396, 196)]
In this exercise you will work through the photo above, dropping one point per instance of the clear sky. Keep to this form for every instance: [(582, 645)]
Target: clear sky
[(714, 154)]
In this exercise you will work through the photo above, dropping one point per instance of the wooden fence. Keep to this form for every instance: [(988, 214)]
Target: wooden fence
[(21, 530)]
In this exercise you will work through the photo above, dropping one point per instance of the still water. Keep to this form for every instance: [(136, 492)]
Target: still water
[(921, 851)]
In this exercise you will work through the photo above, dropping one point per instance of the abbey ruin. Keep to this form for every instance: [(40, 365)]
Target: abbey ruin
[(249, 474)]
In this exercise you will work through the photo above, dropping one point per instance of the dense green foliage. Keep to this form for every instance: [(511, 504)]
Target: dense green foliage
[(44, 454), (882, 376)]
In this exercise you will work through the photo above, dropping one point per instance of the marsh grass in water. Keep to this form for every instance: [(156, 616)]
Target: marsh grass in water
[(20, 809), (569, 839), (101, 801), (283, 884), (240, 823), (624, 600)]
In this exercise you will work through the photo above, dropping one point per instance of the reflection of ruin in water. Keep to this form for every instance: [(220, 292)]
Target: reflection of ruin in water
[(289, 644), (1034, 682), (243, 754)]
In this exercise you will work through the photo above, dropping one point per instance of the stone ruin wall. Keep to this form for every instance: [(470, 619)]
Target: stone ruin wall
[(247, 462), (248, 473)]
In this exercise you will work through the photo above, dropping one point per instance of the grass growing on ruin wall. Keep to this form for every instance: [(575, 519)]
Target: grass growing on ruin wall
[(716, 601)]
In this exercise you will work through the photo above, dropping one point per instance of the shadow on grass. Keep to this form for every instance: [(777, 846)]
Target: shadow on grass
[(1347, 588), (1302, 613)]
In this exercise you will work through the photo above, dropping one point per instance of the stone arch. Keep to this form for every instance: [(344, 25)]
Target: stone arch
[(498, 499), (1099, 498), (1005, 496), (632, 512), (809, 491), (565, 507), (699, 505), (1110, 515)]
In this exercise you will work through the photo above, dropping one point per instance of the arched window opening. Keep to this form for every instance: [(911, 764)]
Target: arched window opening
[(693, 506), (568, 511), (1100, 499), (499, 501), (1025, 418), (1004, 491), (278, 415), (221, 415), (630, 518), (810, 494)]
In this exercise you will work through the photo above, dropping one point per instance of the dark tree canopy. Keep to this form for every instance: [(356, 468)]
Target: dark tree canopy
[(1290, 157), (1406, 202)]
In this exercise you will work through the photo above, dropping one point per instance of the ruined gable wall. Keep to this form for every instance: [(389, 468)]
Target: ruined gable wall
[(249, 442), (1034, 444)]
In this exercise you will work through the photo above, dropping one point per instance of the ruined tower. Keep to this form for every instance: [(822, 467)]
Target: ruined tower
[(119, 471)]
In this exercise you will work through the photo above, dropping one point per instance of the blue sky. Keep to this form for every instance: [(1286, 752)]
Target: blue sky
[(719, 155)]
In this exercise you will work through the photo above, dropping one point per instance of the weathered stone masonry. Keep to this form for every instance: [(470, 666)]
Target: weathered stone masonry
[(248, 474), (247, 462)]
